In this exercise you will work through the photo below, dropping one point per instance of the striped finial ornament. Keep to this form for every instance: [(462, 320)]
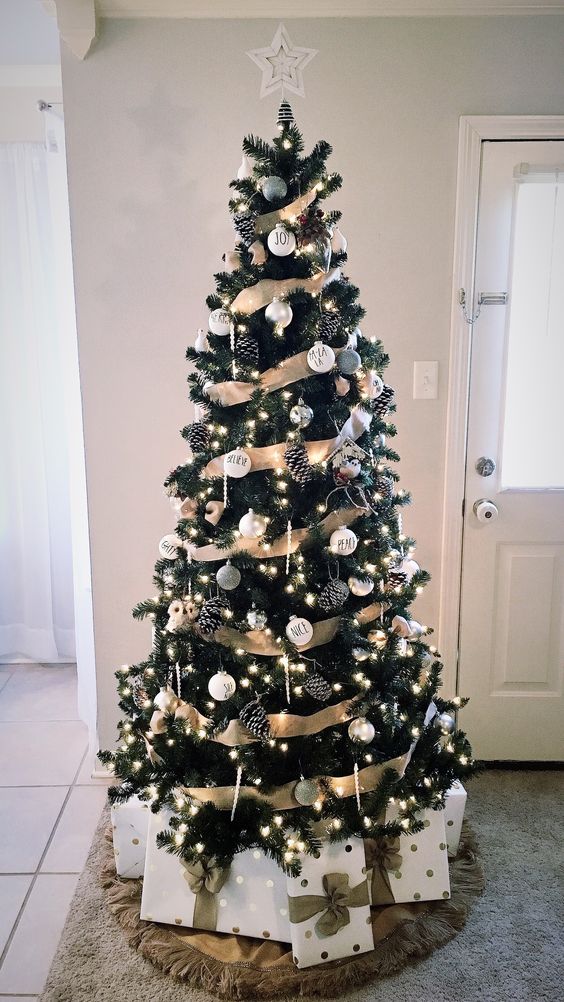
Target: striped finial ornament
[(285, 114)]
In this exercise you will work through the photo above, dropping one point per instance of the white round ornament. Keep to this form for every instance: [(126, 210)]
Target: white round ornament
[(279, 313), (281, 241), (166, 700), (236, 463), (221, 686), (343, 541), (409, 568), (374, 385), (274, 188), (321, 357), (360, 586), (359, 654), (361, 731), (401, 627), (169, 546), (251, 525), (299, 631), (416, 631), (228, 577), (219, 322)]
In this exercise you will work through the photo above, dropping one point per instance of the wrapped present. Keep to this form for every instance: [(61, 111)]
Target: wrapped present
[(247, 897), (409, 867), (129, 826), (455, 803), (329, 906)]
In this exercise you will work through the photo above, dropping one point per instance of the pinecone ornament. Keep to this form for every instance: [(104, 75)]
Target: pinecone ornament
[(245, 226), (211, 616), (334, 595), (317, 687), (396, 578), (197, 436), (382, 403), (329, 326), (254, 717), (139, 693), (384, 486), (298, 464), (247, 350)]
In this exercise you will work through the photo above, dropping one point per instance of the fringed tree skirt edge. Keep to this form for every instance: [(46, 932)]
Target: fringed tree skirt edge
[(238, 967)]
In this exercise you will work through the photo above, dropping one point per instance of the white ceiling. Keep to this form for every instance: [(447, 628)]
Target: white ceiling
[(28, 36), (322, 8)]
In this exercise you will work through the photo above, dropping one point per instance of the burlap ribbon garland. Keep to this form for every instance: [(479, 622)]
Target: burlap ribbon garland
[(205, 879), (278, 547), (271, 457), (267, 222), (382, 857), (334, 904), (289, 371), (282, 725), (254, 297)]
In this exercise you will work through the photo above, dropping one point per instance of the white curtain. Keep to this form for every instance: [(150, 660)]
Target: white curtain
[(36, 585)]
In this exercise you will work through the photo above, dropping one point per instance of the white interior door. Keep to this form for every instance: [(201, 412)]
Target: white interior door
[(511, 645)]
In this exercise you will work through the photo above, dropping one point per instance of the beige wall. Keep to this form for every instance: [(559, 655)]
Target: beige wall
[(154, 120)]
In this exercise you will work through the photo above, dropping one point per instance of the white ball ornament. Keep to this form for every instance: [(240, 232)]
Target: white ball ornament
[(281, 241), (374, 385), (401, 626), (251, 525), (409, 568), (361, 731), (219, 322), (359, 654), (299, 631), (321, 357), (343, 541), (228, 577), (416, 631), (360, 586), (236, 463), (221, 686), (274, 188), (166, 700), (279, 313), (169, 546)]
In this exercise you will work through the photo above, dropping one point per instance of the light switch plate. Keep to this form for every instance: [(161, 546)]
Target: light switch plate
[(425, 380)]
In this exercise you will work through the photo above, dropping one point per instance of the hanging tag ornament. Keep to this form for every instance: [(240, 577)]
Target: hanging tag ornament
[(219, 322), (281, 242), (299, 631), (321, 358)]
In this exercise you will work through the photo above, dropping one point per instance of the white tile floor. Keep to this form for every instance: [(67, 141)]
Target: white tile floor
[(49, 808)]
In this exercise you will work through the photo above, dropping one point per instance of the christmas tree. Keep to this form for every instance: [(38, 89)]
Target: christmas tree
[(289, 694)]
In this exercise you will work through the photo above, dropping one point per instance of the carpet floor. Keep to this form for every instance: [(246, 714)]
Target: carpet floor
[(511, 950)]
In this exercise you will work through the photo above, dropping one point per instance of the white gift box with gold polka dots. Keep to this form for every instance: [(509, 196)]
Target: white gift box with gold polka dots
[(410, 867), (329, 905), (250, 898), (129, 826), (455, 804)]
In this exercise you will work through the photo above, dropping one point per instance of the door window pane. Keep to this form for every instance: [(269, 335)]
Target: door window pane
[(533, 448)]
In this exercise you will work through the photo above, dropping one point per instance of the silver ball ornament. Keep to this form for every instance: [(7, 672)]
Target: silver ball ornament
[(279, 313), (445, 722), (301, 415), (257, 619), (166, 700), (348, 361), (361, 731), (221, 686), (306, 792), (359, 654), (274, 188), (251, 525), (228, 577), (361, 586)]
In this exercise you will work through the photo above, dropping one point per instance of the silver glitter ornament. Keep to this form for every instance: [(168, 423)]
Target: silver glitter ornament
[(361, 731), (445, 722), (348, 361), (306, 792), (228, 577), (301, 415), (274, 188)]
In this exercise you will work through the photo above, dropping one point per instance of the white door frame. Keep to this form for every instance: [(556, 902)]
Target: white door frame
[(473, 130)]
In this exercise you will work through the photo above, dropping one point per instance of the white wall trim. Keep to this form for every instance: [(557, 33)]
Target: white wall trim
[(47, 75), (473, 131), (76, 21), (323, 8)]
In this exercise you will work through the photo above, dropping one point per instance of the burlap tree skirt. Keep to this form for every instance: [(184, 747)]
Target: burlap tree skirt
[(238, 967)]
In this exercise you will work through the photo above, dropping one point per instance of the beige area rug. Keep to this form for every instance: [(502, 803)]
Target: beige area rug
[(511, 948)]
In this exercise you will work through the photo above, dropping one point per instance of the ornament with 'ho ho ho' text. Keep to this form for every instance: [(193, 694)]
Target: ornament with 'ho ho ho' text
[(228, 577), (299, 631), (236, 463), (219, 322), (221, 686), (321, 357), (251, 525), (281, 241), (169, 546), (343, 541), (278, 313)]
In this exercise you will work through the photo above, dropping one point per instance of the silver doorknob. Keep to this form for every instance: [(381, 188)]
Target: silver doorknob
[(484, 510), (485, 466)]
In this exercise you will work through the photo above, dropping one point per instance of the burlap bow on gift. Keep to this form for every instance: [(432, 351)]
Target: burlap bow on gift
[(334, 904), (205, 879), (382, 857)]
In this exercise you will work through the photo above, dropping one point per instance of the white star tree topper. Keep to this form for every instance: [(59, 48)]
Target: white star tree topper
[(282, 64)]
